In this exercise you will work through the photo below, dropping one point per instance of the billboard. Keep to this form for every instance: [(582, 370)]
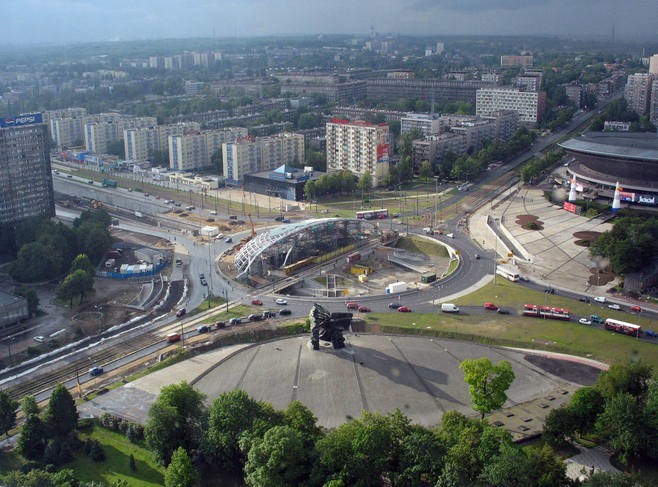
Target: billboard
[(382, 152), (17, 121), (646, 199), (570, 207), (626, 196)]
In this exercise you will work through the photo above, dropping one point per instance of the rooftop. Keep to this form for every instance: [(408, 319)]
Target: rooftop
[(640, 146)]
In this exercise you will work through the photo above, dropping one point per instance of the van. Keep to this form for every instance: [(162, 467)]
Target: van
[(449, 308)]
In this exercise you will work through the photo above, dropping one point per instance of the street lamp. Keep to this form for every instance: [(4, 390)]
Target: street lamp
[(211, 270)]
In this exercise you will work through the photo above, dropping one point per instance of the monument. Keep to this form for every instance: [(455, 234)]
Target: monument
[(328, 326)]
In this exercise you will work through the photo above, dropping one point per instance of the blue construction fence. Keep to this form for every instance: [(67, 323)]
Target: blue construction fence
[(125, 275)]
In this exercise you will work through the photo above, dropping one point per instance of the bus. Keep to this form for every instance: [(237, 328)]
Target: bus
[(372, 214), (623, 327), (546, 312), (507, 273)]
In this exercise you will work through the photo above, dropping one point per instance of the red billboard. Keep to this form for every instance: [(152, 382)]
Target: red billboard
[(570, 207)]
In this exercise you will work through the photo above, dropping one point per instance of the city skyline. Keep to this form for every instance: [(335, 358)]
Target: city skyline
[(73, 21)]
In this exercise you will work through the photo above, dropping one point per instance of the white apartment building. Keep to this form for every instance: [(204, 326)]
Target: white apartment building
[(194, 150), (255, 154), (427, 123), (653, 108), (358, 147), (98, 134), (653, 64), (530, 105), (638, 92), (139, 142)]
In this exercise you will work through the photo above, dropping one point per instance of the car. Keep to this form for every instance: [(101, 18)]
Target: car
[(96, 371), (278, 218), (614, 306), (583, 299), (255, 317), (636, 308), (90, 181), (285, 311), (213, 212), (228, 240), (147, 195), (285, 220), (203, 329), (352, 305), (257, 302), (233, 217), (204, 282), (450, 235), (524, 278), (502, 311), (181, 312), (394, 305), (202, 275), (220, 324), (39, 339), (549, 290), (599, 299), (596, 319), (69, 176), (584, 321), (269, 314), (404, 309), (234, 321), (364, 309), (490, 306), (477, 256), (281, 301)]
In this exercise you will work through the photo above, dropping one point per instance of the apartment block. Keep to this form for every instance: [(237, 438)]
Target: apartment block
[(194, 150), (638, 92), (98, 133), (653, 64), (428, 124), (358, 147), (435, 147), (139, 142), (530, 105), (391, 90), (255, 154), (653, 108), (26, 185)]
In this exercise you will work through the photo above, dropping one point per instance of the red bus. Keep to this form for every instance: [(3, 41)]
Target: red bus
[(623, 327), (546, 312)]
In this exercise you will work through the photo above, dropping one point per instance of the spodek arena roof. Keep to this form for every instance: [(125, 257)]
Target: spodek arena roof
[(611, 150)]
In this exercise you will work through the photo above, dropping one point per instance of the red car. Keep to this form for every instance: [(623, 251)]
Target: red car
[(404, 309), (636, 308), (352, 305), (490, 306), (364, 309), (257, 302)]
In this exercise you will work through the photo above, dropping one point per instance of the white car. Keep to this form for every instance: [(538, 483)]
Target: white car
[(584, 321), (614, 306), (39, 339), (281, 301), (600, 299)]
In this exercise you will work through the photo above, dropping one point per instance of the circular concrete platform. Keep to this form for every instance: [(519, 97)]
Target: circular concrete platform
[(420, 376)]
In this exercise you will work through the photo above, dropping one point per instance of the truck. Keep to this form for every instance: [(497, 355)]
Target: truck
[(109, 183), (396, 287), (449, 308)]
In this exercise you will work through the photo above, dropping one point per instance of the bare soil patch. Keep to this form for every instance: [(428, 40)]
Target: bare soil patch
[(529, 222), (600, 278)]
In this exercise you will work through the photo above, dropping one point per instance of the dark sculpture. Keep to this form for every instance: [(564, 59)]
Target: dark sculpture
[(328, 326)]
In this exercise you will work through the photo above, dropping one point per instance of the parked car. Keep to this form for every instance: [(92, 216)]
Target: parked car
[(490, 306), (281, 301), (278, 218), (404, 309), (394, 305), (181, 312), (257, 302), (614, 306), (96, 371), (269, 314), (596, 319), (599, 299), (203, 329), (39, 339), (352, 305), (285, 220), (636, 308), (220, 324), (204, 282), (255, 317), (549, 290), (584, 299), (285, 311), (477, 256), (584, 321), (228, 240), (234, 321), (364, 309), (502, 311)]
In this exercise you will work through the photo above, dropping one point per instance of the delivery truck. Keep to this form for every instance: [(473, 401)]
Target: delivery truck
[(396, 287)]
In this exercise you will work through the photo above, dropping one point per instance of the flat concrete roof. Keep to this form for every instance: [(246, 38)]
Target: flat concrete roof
[(642, 147)]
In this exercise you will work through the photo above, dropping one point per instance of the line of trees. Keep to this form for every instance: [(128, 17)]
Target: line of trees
[(535, 167), (618, 111), (340, 182)]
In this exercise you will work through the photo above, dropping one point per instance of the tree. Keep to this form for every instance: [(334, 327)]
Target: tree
[(29, 406), (117, 148), (82, 262), (406, 169), (365, 182), (217, 161), (310, 190), (176, 419), (32, 440), (559, 425), (420, 458), (93, 239), (281, 459), (488, 383), (406, 141), (180, 472), (632, 378), (33, 263), (32, 299), (301, 419), (621, 424), (585, 406), (7, 412), (61, 415), (75, 284), (425, 172)]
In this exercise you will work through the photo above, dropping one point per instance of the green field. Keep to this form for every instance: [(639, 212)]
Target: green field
[(421, 245)]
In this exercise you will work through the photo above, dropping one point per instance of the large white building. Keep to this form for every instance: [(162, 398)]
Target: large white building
[(98, 133), (653, 64), (255, 154), (427, 123), (358, 147), (638, 92), (530, 105), (194, 150), (140, 142)]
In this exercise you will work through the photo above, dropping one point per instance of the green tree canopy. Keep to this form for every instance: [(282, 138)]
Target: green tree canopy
[(32, 299), (487, 383), (425, 172), (82, 262), (180, 471), (61, 415), (7, 412)]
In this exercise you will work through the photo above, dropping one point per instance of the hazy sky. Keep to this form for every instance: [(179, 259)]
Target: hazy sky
[(64, 21)]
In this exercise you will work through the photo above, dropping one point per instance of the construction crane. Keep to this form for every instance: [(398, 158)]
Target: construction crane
[(253, 230)]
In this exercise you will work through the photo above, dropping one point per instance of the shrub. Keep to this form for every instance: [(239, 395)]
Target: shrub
[(96, 452), (134, 432)]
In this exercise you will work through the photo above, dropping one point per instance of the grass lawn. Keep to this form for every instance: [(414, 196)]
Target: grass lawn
[(559, 336), (116, 466), (235, 312), (420, 245)]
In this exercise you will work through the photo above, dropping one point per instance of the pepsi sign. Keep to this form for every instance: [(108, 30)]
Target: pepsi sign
[(17, 121)]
